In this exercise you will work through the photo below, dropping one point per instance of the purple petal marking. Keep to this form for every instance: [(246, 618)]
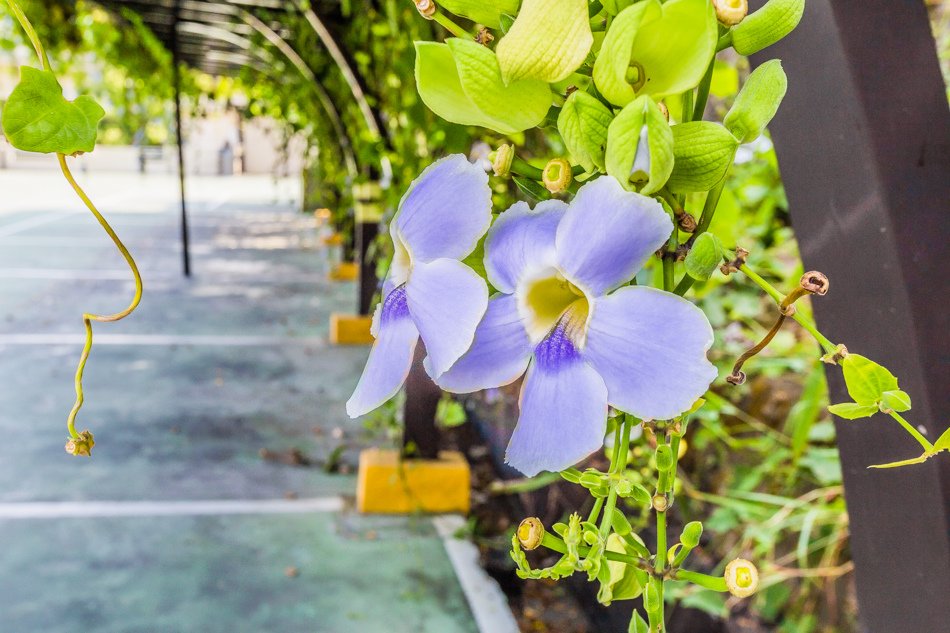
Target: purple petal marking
[(446, 210), (607, 235), (446, 299), (521, 240), (389, 359), (650, 347), (499, 353), (563, 409)]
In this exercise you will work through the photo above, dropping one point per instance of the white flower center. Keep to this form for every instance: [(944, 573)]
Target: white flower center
[(402, 260), (548, 296)]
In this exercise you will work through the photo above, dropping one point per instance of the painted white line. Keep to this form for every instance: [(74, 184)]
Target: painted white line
[(75, 509), (485, 597), (63, 273), (29, 223), (198, 340), (244, 279)]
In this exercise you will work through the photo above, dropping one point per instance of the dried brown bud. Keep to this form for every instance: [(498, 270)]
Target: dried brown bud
[(835, 357), (733, 266), (814, 282), (736, 378), (687, 222), (426, 8), (484, 37), (81, 445)]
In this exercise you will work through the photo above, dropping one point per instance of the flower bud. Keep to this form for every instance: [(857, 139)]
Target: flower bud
[(835, 357), (426, 8), (660, 503), (81, 445), (530, 533), (731, 12), (775, 20), (814, 282), (742, 578), (664, 457), (501, 160), (557, 175), (692, 532)]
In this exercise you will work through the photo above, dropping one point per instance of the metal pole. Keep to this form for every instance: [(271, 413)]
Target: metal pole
[(863, 140), (176, 74), (420, 437)]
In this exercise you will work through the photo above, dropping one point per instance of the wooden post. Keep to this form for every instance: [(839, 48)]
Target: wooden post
[(863, 141)]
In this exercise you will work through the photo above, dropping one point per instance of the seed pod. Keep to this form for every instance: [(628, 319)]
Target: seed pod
[(731, 12), (81, 445), (530, 533), (742, 578), (557, 176), (766, 26)]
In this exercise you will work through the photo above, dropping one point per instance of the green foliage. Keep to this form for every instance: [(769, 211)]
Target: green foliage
[(36, 117), (640, 147), (547, 42), (583, 123), (758, 102), (487, 12), (767, 26), (704, 258), (702, 152)]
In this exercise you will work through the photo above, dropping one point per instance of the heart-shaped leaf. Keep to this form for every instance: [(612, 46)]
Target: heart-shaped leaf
[(548, 41), (853, 410), (702, 152), (757, 102), (37, 118), (640, 147), (583, 125), (656, 49), (866, 380)]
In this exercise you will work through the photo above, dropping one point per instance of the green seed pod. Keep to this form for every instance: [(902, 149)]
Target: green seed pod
[(530, 533), (692, 532), (556, 175), (742, 578), (664, 457), (766, 26)]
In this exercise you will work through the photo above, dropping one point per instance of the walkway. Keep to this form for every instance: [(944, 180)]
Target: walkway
[(194, 513)]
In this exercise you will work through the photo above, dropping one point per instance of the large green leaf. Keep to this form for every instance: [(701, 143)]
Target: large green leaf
[(866, 380), (487, 12), (548, 41), (461, 82), (702, 152), (583, 125), (757, 102), (37, 118), (669, 45), (640, 147)]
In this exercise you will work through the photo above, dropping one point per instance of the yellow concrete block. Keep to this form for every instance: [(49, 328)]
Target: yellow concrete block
[(334, 239), (387, 484), (350, 329), (345, 271)]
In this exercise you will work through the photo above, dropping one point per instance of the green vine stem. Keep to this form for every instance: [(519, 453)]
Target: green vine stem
[(81, 443)]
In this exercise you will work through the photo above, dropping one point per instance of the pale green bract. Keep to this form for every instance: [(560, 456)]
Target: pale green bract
[(486, 12), (757, 102), (702, 152), (624, 139), (766, 26), (37, 118), (460, 81), (583, 125), (548, 41), (670, 45), (704, 257)]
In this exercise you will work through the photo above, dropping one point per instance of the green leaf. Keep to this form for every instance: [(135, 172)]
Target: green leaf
[(531, 188), (943, 442), (895, 400), (866, 380), (665, 49), (548, 41), (702, 152), (583, 125), (460, 81), (775, 20), (853, 410), (758, 101), (486, 12), (906, 462), (626, 582), (638, 165), (37, 118), (704, 257), (638, 624)]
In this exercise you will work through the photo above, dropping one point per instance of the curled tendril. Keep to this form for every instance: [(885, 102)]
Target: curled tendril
[(82, 443)]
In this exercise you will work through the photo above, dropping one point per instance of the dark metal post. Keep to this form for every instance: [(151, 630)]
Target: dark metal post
[(368, 213), (176, 74), (863, 140), (420, 435)]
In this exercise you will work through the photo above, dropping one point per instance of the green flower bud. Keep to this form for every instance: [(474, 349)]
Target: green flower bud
[(742, 578), (501, 160), (661, 503), (81, 445), (766, 26), (731, 12), (692, 532), (530, 533), (664, 457), (556, 175)]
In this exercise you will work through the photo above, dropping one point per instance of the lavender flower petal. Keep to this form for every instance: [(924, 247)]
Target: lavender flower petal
[(520, 240)]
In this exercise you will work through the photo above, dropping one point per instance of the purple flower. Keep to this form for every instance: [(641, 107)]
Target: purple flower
[(586, 340), (428, 292)]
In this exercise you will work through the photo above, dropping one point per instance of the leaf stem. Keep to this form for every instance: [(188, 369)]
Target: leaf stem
[(702, 94), (923, 441), (30, 33), (450, 25)]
